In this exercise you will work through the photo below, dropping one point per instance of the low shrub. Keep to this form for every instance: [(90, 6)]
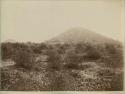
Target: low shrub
[(24, 58)]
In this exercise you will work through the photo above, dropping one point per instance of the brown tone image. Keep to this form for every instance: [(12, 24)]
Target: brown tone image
[(73, 45)]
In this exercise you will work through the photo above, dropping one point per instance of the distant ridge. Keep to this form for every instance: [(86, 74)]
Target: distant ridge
[(10, 40), (78, 35)]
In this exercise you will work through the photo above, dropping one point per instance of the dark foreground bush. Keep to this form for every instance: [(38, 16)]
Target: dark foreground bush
[(71, 66), (24, 58)]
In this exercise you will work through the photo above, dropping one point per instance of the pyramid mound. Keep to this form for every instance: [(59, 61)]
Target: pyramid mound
[(78, 35)]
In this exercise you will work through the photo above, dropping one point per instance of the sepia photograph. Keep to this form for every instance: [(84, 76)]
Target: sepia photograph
[(62, 45)]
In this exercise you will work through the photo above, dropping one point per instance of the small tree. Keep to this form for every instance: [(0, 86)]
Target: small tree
[(6, 51), (54, 59), (72, 59), (92, 53), (24, 58)]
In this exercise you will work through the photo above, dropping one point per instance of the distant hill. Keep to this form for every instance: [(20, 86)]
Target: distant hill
[(78, 35)]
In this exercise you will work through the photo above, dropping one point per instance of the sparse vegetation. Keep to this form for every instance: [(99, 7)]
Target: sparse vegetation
[(83, 66)]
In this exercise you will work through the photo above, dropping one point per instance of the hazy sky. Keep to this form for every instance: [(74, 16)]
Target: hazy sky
[(39, 20)]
